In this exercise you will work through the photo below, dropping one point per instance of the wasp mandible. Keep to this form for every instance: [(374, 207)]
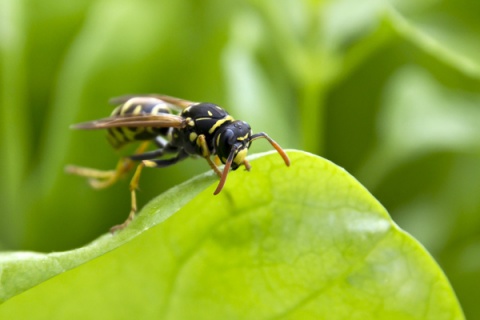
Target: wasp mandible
[(176, 126)]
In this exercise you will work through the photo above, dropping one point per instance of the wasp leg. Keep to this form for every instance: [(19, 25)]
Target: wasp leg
[(99, 179), (136, 177), (165, 162), (133, 210), (154, 154), (202, 143)]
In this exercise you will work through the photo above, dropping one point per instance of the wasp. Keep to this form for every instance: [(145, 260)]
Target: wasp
[(177, 127)]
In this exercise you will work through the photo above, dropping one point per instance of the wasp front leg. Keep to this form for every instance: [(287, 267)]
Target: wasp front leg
[(202, 143)]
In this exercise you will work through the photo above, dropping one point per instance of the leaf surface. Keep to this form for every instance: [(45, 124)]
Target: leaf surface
[(304, 242)]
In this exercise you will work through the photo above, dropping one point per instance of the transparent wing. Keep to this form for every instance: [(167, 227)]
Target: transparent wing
[(180, 103), (154, 121)]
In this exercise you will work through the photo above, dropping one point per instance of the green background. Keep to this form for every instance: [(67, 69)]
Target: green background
[(389, 90)]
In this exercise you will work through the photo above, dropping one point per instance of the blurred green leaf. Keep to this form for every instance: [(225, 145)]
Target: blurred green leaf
[(251, 94), (442, 39), (301, 242), (14, 130), (420, 117)]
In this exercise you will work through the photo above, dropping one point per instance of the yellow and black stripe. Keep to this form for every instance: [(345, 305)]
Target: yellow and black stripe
[(119, 136)]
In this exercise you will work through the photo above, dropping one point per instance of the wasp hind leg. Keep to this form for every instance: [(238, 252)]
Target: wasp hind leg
[(136, 177), (100, 179)]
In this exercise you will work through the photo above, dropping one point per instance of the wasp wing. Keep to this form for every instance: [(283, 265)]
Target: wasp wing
[(153, 121), (177, 102)]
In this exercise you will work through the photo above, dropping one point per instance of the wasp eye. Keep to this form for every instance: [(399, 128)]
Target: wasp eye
[(223, 143)]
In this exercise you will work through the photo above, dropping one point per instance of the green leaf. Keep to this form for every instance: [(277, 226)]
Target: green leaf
[(443, 39), (437, 117), (304, 242)]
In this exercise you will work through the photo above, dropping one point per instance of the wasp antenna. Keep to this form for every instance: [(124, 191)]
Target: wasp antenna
[(274, 144), (226, 169)]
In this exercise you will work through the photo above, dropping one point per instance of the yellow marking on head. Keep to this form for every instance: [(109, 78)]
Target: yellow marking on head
[(244, 137), (240, 156), (219, 123), (193, 136), (210, 113), (218, 139)]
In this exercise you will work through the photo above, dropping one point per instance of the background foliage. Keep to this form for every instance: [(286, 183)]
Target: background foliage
[(387, 89)]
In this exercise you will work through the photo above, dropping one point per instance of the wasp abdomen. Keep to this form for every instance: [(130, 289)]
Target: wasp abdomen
[(137, 106)]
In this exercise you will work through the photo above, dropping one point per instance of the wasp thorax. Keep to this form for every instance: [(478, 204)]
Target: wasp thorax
[(232, 141)]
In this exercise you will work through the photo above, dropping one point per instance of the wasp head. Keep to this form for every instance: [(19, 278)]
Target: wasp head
[(232, 143)]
